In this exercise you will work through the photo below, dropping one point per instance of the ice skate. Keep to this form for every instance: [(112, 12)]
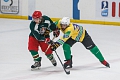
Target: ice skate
[(68, 63), (36, 65), (105, 63), (53, 61)]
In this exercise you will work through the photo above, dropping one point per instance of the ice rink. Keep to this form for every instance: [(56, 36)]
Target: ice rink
[(15, 59)]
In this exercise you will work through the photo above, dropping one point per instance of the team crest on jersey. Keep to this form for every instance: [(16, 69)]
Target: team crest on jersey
[(65, 36), (42, 30)]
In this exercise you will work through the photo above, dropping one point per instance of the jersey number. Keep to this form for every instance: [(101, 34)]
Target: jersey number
[(76, 27)]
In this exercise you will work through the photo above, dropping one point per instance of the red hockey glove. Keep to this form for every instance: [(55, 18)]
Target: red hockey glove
[(50, 42), (47, 40), (47, 32), (56, 32)]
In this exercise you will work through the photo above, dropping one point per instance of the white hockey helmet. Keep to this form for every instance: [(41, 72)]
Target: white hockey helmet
[(65, 20)]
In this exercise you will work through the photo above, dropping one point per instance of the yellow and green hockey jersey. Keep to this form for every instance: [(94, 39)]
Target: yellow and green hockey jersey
[(74, 31)]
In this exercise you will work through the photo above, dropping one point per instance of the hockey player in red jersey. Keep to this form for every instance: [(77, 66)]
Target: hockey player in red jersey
[(40, 28), (75, 33)]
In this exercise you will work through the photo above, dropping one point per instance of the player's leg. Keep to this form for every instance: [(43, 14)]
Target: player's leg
[(89, 44), (48, 53), (33, 48), (67, 52)]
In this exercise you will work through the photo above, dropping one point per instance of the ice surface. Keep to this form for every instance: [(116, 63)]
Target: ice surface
[(15, 59)]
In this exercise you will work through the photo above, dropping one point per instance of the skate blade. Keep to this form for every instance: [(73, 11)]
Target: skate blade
[(33, 69), (68, 67)]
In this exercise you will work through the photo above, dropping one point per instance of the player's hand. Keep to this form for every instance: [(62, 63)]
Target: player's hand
[(47, 40), (54, 46), (50, 42), (56, 33), (47, 32)]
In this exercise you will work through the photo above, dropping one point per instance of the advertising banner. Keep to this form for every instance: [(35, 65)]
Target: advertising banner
[(9, 6), (108, 8)]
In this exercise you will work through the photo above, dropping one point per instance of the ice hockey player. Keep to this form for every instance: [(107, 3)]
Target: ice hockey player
[(75, 33), (39, 35)]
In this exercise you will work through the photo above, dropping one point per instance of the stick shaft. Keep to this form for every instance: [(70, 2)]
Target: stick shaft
[(67, 72)]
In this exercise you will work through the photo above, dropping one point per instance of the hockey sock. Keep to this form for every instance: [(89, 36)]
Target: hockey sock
[(67, 51), (35, 55), (97, 53), (50, 56)]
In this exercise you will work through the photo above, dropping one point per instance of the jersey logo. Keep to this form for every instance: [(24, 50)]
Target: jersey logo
[(76, 27), (66, 35), (42, 30)]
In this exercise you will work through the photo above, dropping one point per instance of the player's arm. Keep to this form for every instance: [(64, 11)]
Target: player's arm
[(35, 31), (53, 25), (66, 36), (46, 18)]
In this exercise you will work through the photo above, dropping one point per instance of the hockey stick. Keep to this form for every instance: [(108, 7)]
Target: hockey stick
[(67, 72), (49, 45)]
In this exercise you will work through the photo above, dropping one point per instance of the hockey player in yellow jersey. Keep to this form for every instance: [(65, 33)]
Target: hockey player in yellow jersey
[(75, 33)]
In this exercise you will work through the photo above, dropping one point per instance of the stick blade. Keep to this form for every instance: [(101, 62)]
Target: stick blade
[(68, 72)]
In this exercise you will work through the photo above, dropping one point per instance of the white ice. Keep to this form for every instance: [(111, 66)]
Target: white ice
[(15, 59)]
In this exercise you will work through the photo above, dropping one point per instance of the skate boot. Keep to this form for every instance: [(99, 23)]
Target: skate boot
[(68, 63), (52, 59), (36, 65), (105, 63)]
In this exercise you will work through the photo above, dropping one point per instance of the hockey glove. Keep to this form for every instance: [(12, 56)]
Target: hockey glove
[(47, 32), (54, 46), (50, 42), (56, 32), (47, 40)]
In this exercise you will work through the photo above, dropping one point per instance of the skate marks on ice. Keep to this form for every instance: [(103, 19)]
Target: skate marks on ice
[(40, 73), (51, 70), (93, 66), (48, 69)]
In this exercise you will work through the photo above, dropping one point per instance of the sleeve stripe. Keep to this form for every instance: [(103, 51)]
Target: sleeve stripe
[(60, 41), (79, 35)]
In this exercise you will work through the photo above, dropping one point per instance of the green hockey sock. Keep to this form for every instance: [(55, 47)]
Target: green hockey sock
[(50, 56), (97, 53), (67, 51), (35, 55)]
